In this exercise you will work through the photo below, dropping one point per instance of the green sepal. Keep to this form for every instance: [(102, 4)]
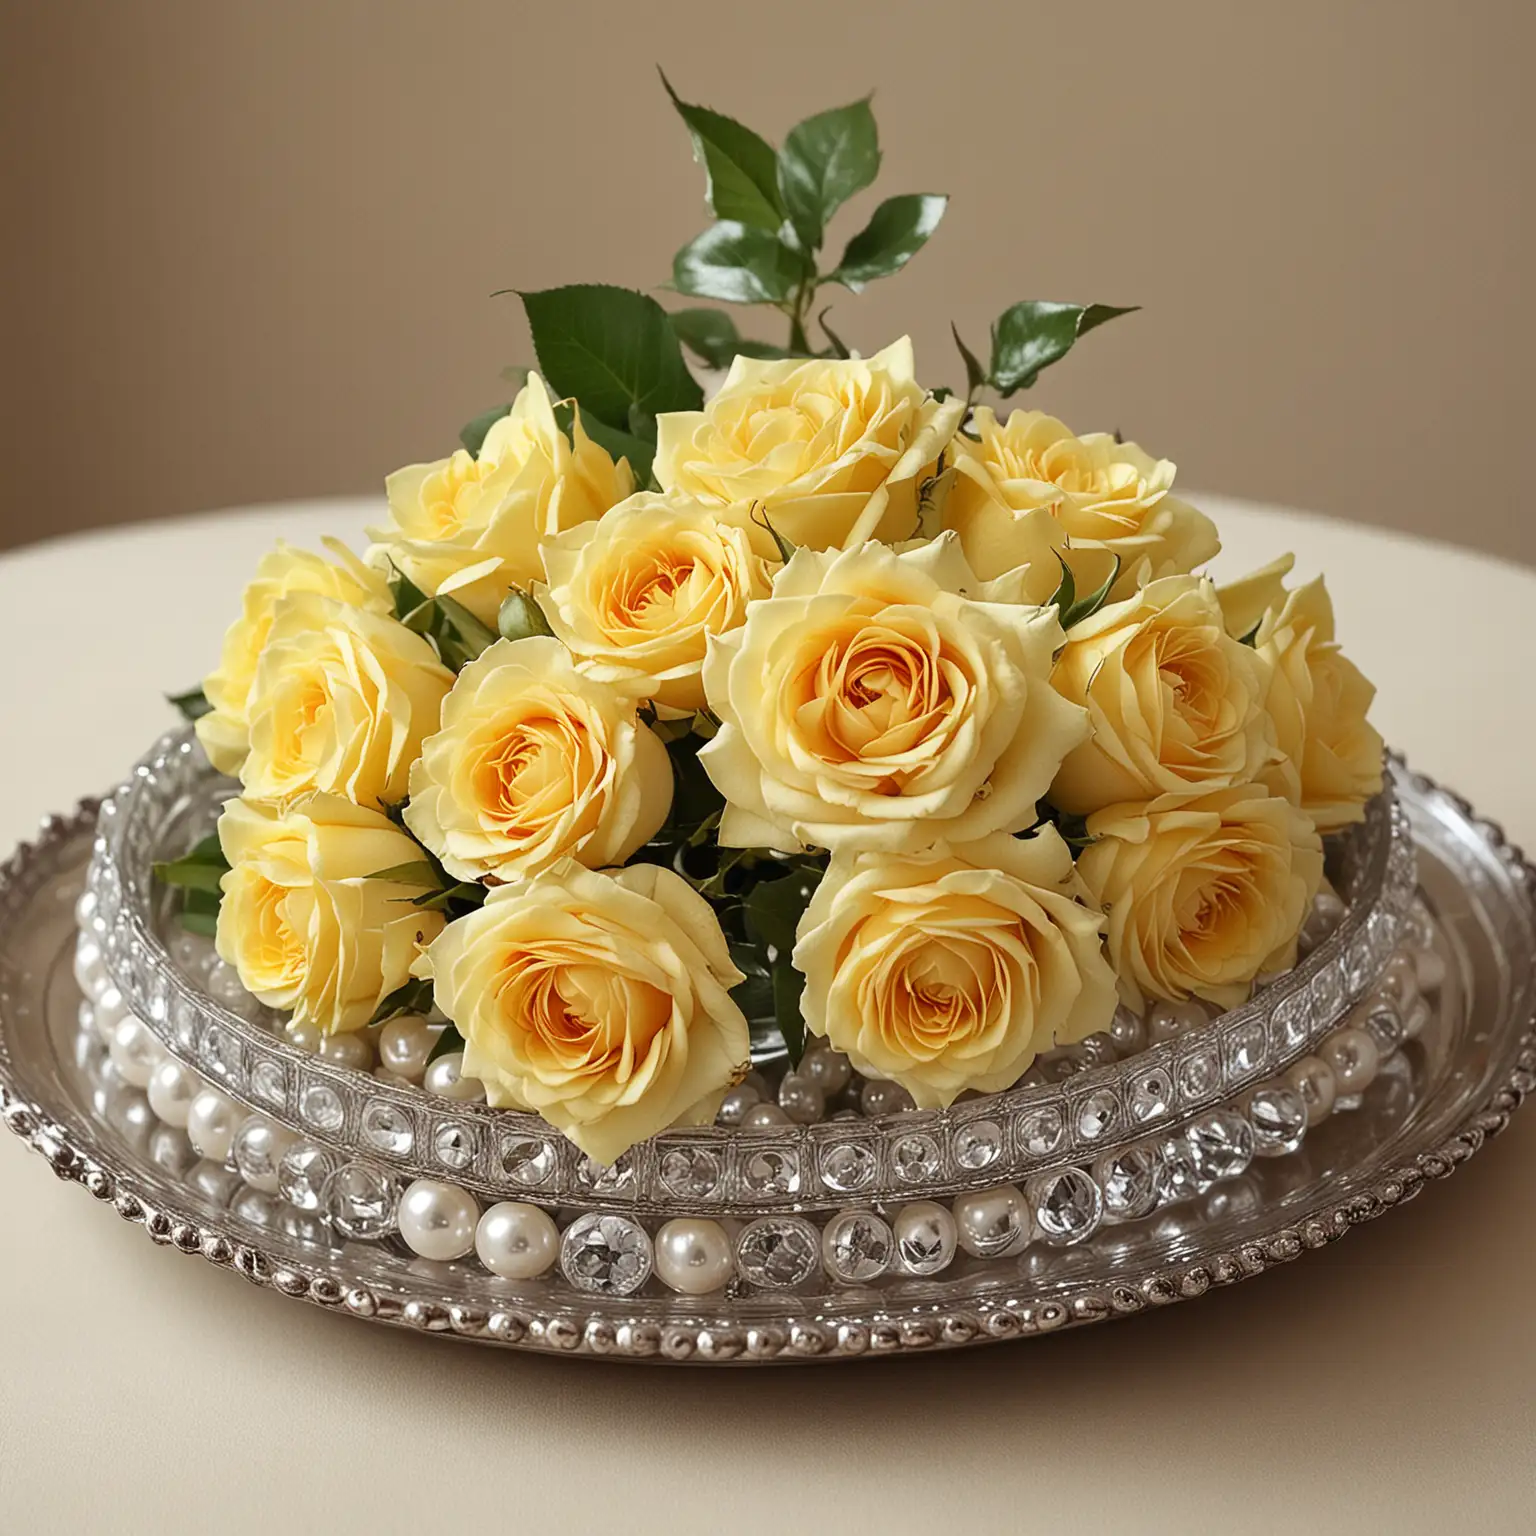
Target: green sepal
[(1073, 609), (975, 374), (446, 1043), (758, 514), (414, 997), (520, 617), (474, 433), (193, 704), (414, 872)]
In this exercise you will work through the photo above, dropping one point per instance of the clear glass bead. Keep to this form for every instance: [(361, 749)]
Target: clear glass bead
[(1150, 1096), (1385, 1026), (527, 1160), (1278, 1115), (848, 1166), (269, 1082), (1181, 1176), (617, 1178), (362, 1201), (925, 1237), (1222, 1144), (778, 1252), (1097, 1115), (978, 1144), (453, 1145), (606, 1254), (1066, 1203), (1292, 1022), (690, 1173), (320, 1106), (219, 1052), (1328, 992), (387, 1128), (915, 1157), (1199, 1073), (302, 1174), (256, 1150), (1131, 1180), (857, 1246), (1245, 1047), (1041, 1130), (770, 1170)]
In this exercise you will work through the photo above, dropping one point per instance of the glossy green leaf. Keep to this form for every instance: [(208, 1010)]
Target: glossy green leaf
[(774, 908), (474, 433), (1033, 335), (710, 334), (738, 263), (754, 996), (446, 1043), (199, 869), (204, 923), (193, 704), (520, 616), (1085, 607), (740, 167), (825, 161), (609, 348), (788, 989), (414, 997), (615, 442), (897, 231)]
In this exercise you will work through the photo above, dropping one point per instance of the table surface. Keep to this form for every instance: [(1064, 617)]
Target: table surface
[(1387, 1382)]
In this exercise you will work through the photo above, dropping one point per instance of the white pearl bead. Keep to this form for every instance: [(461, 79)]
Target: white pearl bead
[(761, 1116), (737, 1102), (438, 1221), (111, 1008), (828, 1069), (989, 1222), (1128, 1031), (85, 909), (517, 1241), (445, 1077), (258, 1148), (1313, 1079), (694, 1255), (212, 1121), (135, 1052), (1400, 982), (404, 1045), (172, 1087), (801, 1099), (1431, 968), (350, 1050), (303, 1036), (1354, 1057), (89, 972), (1165, 1020), (882, 1098)]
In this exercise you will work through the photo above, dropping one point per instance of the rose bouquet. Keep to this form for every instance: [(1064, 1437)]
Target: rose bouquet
[(653, 733)]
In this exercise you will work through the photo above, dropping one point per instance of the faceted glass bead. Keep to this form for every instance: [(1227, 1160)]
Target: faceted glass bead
[(778, 1252), (857, 1246), (1067, 1204), (915, 1157), (320, 1106), (1385, 1027), (1131, 1180), (690, 1173), (1041, 1130), (453, 1145), (1151, 1095), (362, 1201), (1359, 962), (1278, 1115), (1181, 1176), (978, 1144), (269, 1082), (605, 1179), (527, 1160), (1097, 1115), (1199, 1073), (1245, 1049), (256, 1150), (219, 1051), (387, 1128), (1222, 1144), (302, 1174), (848, 1166), (1328, 992), (770, 1170), (1292, 1022), (605, 1254), (925, 1237)]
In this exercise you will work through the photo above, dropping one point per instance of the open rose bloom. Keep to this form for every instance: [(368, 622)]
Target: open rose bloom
[(850, 719)]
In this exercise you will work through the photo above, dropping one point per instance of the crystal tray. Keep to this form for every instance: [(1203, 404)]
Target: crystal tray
[(1435, 1101)]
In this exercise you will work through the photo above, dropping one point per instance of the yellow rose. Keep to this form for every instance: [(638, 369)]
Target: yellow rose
[(1202, 892), (637, 594), (536, 762), (599, 1001), (879, 700), (835, 451), (1109, 499), (1318, 699), (342, 701), (952, 969), (225, 731), (1174, 701), (469, 527), (300, 920)]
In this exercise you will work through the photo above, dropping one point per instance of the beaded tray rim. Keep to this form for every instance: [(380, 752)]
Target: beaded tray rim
[(75, 1156)]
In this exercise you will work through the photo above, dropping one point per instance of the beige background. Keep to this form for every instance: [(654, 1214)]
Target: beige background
[(248, 247)]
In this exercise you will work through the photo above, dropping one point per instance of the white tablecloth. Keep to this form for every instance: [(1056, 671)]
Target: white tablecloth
[(1386, 1383)]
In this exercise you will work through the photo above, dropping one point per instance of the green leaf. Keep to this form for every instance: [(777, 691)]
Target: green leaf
[(609, 348), (617, 444), (409, 598), (473, 434), (449, 1041), (754, 996), (825, 161), (1085, 608), (199, 869), (788, 988), (767, 351), (740, 167), (740, 264), (205, 923), (975, 374), (710, 334), (414, 872), (414, 997), (466, 894), (519, 617), (1033, 335), (896, 232), (193, 704), (774, 908)]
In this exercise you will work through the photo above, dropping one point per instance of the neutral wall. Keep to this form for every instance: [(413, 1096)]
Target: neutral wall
[(248, 248)]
